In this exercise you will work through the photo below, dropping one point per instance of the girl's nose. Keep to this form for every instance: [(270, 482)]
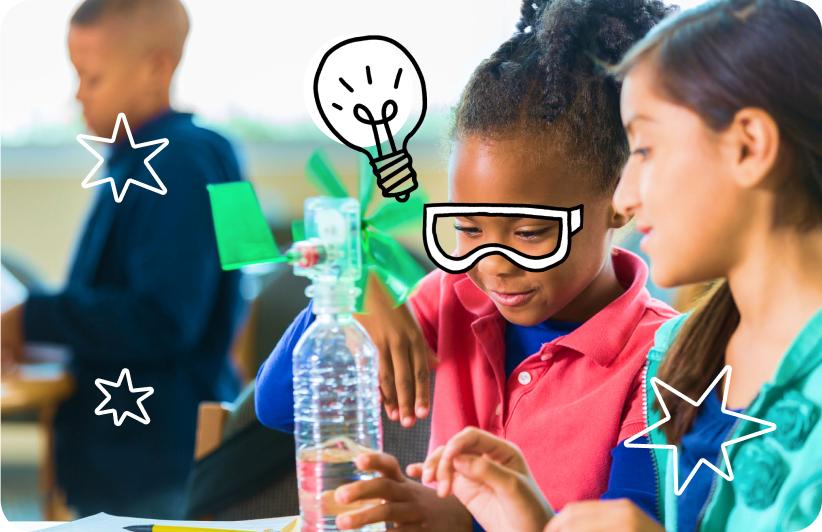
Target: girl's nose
[(496, 265), (626, 196)]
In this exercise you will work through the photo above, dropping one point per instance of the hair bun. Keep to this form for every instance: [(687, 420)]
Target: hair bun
[(577, 34)]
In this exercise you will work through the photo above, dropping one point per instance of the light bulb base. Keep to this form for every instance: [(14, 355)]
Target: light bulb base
[(395, 176)]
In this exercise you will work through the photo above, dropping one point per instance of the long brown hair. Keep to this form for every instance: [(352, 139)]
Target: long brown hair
[(716, 60)]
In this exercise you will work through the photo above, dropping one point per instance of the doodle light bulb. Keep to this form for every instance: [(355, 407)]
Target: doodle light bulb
[(364, 89)]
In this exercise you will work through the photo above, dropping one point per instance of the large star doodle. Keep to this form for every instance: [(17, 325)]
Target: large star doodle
[(122, 118), (119, 421), (730, 476)]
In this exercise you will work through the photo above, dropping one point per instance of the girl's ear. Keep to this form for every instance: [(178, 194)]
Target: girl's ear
[(754, 141)]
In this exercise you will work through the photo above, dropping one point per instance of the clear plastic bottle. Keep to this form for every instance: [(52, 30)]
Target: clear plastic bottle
[(336, 404)]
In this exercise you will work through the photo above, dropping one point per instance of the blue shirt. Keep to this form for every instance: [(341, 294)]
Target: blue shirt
[(522, 342), (274, 394), (711, 429), (145, 292), (632, 473)]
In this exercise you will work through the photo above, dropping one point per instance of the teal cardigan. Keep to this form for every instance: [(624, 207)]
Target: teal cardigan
[(777, 485)]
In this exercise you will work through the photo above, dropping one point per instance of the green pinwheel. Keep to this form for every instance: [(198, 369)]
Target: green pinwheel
[(243, 236)]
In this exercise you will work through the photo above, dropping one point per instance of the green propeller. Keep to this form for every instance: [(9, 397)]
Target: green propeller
[(243, 237)]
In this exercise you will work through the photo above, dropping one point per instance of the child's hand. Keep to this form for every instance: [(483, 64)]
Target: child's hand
[(602, 516), (405, 359), (490, 477), (405, 503)]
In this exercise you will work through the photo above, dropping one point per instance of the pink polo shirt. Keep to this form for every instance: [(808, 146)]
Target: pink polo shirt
[(566, 412)]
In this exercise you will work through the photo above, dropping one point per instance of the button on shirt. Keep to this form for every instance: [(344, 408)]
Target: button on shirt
[(522, 342), (578, 403)]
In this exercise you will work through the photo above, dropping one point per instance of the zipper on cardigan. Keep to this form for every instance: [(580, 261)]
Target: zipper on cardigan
[(714, 483), (653, 455)]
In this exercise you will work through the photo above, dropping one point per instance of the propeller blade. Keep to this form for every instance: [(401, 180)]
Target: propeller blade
[(243, 236), (362, 284), (397, 269), (297, 230), (367, 183), (322, 175), (395, 218)]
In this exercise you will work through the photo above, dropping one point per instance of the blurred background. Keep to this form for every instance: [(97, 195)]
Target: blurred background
[(242, 74)]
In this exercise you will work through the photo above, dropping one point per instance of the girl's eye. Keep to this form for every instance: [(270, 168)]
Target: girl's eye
[(641, 151), (528, 235), (470, 231)]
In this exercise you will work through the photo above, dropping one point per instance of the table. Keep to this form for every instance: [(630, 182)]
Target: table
[(279, 522), (32, 526), (40, 388)]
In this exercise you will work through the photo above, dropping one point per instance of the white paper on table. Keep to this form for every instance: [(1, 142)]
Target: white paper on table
[(12, 291), (31, 526), (103, 522)]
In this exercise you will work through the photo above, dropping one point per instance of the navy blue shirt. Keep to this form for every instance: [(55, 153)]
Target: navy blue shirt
[(632, 473), (633, 477), (522, 342), (711, 429), (145, 292), (274, 394)]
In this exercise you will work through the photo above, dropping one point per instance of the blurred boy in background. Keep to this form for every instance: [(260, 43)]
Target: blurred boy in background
[(145, 290)]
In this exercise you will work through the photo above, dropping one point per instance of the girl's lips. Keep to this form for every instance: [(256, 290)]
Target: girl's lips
[(643, 244), (644, 229), (511, 300)]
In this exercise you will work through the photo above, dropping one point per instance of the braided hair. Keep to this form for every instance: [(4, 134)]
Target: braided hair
[(547, 81)]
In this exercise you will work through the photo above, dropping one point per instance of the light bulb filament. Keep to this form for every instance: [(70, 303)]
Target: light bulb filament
[(388, 112)]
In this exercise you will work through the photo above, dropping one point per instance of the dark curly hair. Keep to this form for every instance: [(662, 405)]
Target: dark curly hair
[(548, 79)]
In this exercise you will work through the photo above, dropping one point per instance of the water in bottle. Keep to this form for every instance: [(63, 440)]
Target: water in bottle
[(336, 405)]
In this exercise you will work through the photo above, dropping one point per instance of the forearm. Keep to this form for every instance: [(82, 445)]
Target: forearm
[(274, 392), (106, 324)]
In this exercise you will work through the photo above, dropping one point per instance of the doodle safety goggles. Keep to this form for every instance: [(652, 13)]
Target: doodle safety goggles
[(570, 223)]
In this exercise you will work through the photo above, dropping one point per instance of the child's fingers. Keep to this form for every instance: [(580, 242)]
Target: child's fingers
[(382, 463), (422, 374), (397, 512), (602, 516), (469, 440), (414, 471), (404, 379), (472, 440), (431, 465), (376, 488), (484, 471), (441, 470), (387, 388)]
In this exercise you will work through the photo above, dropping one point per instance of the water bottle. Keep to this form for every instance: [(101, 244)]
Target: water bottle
[(336, 371)]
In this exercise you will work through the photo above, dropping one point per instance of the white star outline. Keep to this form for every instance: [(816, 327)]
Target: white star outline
[(125, 373), (122, 118), (730, 476)]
